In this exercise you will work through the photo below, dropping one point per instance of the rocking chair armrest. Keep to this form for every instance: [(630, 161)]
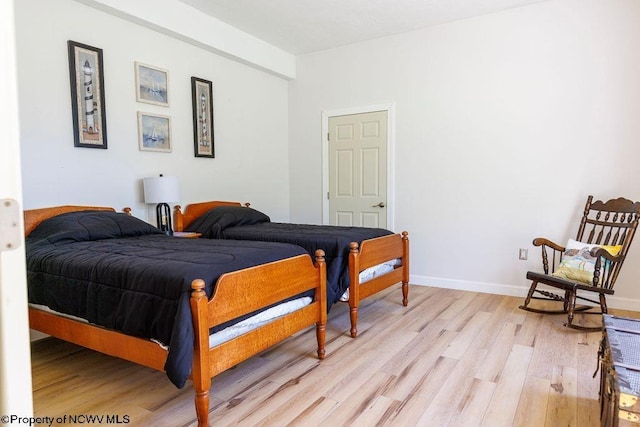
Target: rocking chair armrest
[(540, 241), (601, 252), (556, 253)]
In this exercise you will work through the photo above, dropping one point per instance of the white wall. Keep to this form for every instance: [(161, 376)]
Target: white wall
[(250, 117), (504, 124)]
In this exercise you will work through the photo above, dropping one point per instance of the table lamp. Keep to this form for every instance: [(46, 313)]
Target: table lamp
[(162, 190)]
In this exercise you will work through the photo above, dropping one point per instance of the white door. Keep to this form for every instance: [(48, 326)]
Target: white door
[(15, 357), (358, 170)]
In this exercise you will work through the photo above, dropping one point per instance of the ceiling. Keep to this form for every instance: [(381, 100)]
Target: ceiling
[(303, 26)]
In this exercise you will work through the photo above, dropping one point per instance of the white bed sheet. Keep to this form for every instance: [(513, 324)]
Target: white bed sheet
[(230, 332), (373, 272)]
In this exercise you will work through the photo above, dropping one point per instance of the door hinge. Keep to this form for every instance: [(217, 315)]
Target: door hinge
[(9, 224), (328, 137), (327, 195)]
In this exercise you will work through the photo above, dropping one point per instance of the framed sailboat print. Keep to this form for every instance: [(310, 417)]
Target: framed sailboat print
[(202, 99), (152, 85), (86, 76), (154, 132)]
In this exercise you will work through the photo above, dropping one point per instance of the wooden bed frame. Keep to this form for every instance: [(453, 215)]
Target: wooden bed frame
[(370, 253), (291, 276)]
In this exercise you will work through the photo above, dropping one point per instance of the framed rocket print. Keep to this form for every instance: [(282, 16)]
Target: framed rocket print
[(202, 97), (87, 95)]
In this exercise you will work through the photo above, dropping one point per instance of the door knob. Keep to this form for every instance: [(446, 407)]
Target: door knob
[(379, 205)]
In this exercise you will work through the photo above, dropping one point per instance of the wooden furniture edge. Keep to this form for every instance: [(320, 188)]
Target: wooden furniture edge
[(138, 350), (209, 362), (373, 252), (33, 217)]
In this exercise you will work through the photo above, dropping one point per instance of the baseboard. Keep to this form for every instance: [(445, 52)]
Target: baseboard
[(621, 303), (464, 285)]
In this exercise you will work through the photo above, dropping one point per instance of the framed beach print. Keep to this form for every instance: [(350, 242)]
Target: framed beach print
[(154, 132), (202, 98), (152, 85), (87, 95)]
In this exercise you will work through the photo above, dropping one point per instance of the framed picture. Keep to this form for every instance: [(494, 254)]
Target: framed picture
[(152, 85), (202, 97), (154, 132), (87, 95)]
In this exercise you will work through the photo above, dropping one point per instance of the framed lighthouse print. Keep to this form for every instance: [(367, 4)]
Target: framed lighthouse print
[(202, 97), (86, 76)]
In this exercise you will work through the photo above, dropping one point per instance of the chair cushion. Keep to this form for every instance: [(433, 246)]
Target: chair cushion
[(578, 264)]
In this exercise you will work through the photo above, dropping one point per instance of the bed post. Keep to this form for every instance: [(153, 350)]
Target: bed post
[(200, 371), (354, 286), (405, 265), (178, 225), (321, 295)]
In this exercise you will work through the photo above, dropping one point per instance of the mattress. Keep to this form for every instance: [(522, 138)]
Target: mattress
[(373, 272)]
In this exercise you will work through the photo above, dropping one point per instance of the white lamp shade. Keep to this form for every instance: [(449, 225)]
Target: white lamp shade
[(162, 189)]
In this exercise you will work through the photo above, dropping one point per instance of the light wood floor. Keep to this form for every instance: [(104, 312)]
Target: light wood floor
[(451, 358)]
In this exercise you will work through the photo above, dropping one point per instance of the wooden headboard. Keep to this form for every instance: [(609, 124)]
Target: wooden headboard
[(33, 217), (195, 210)]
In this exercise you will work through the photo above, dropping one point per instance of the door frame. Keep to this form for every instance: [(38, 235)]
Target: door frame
[(391, 124), (16, 392)]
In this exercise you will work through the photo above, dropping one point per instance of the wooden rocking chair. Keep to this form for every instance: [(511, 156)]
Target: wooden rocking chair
[(606, 231)]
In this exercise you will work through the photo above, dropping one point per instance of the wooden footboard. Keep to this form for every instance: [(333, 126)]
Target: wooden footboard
[(373, 252), (242, 292)]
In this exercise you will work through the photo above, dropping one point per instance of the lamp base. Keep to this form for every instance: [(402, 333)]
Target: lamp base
[(163, 218)]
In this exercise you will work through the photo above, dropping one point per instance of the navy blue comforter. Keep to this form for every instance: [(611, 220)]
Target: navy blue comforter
[(119, 272), (241, 223)]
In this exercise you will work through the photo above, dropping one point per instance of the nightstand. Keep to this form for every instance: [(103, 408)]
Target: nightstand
[(187, 234)]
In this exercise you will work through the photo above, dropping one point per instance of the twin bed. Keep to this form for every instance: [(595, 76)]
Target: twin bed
[(360, 261), (114, 284), (196, 307)]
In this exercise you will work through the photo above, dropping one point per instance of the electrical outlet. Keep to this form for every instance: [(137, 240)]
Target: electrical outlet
[(522, 254)]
